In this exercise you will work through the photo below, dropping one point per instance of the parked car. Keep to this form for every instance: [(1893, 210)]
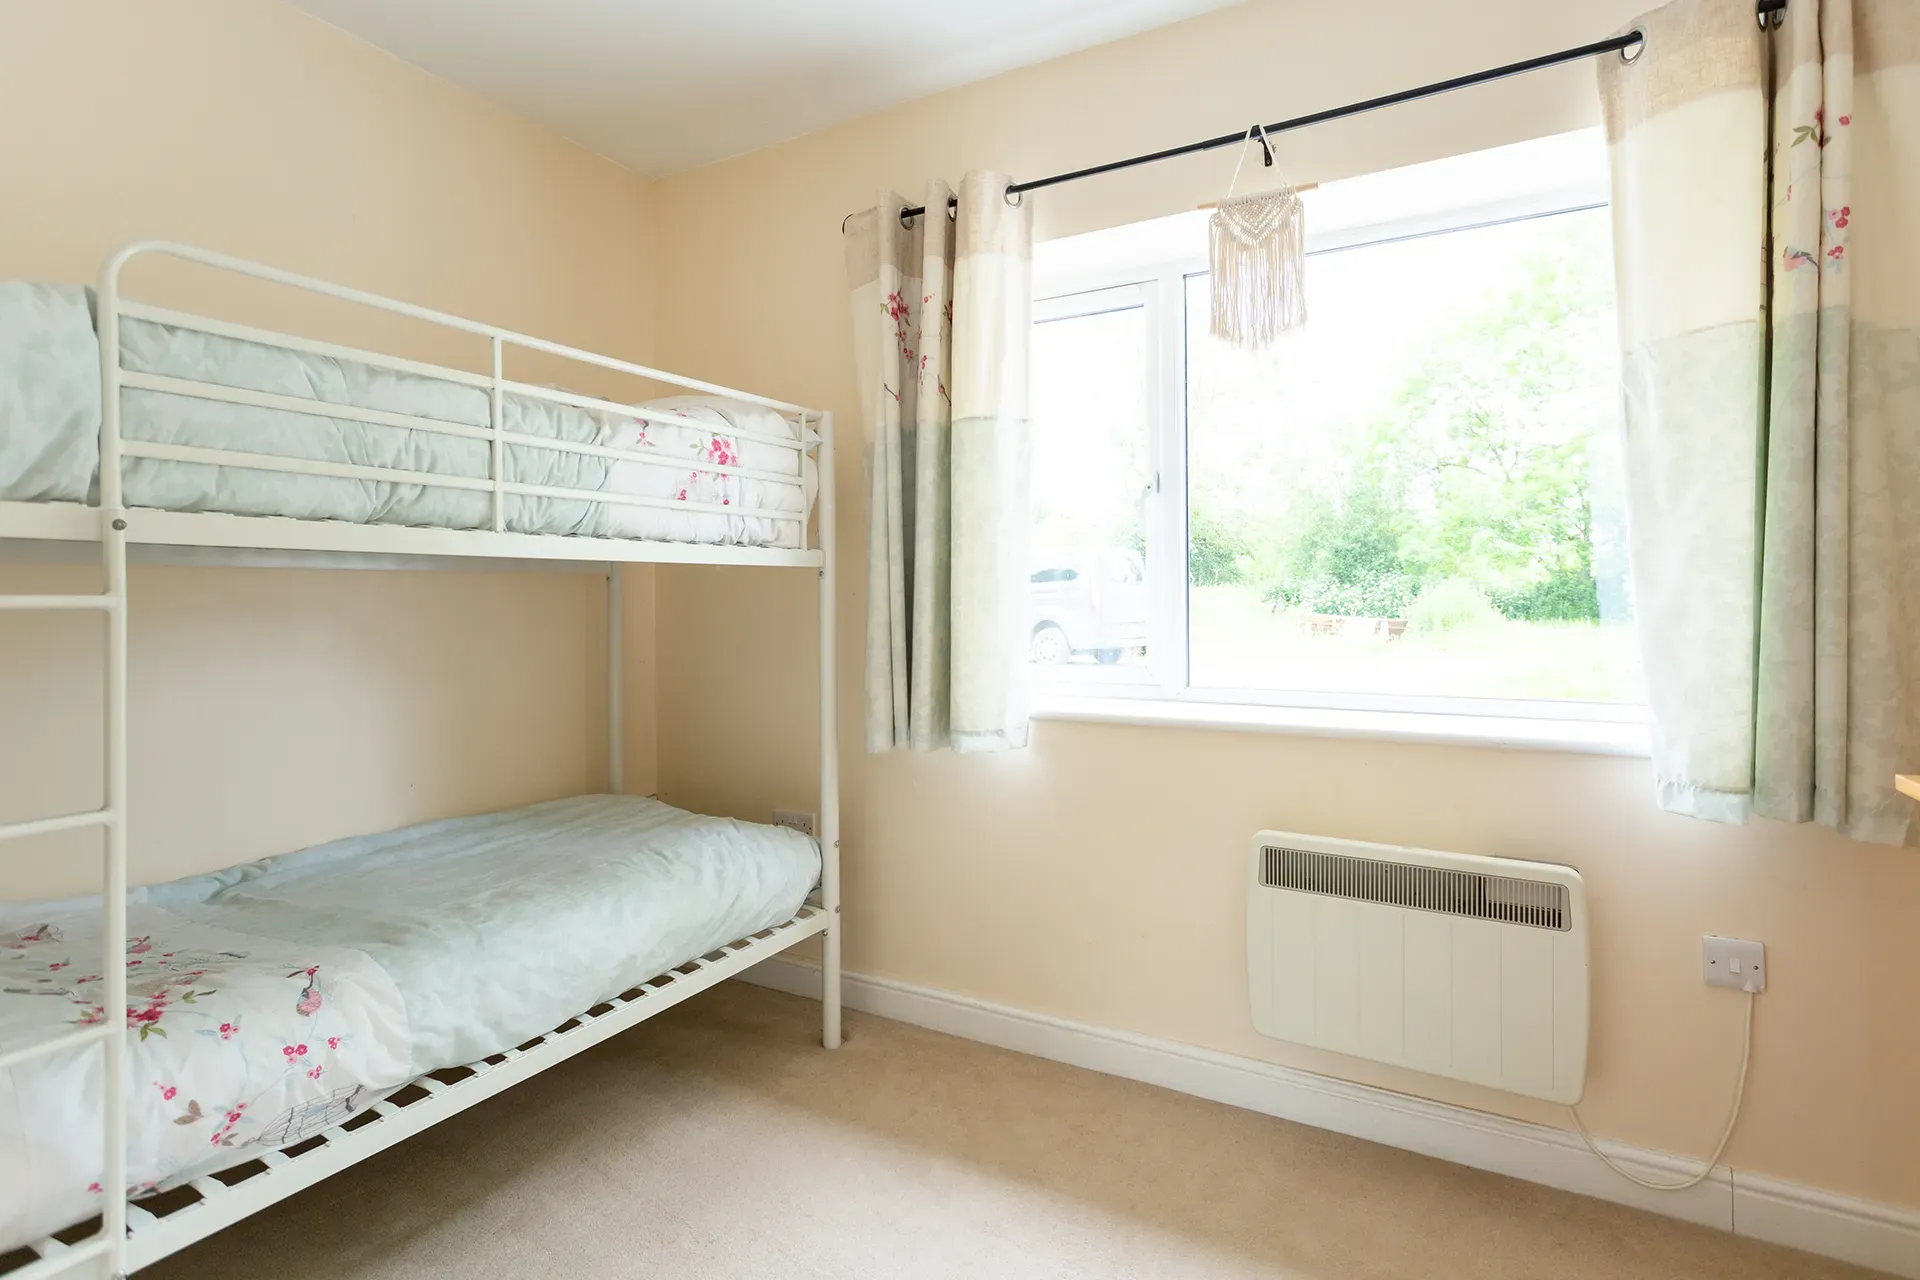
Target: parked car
[(1088, 601)]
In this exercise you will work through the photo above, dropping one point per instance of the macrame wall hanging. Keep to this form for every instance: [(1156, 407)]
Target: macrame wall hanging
[(1258, 257)]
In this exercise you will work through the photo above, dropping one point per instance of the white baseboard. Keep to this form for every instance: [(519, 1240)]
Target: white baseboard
[(1857, 1231), (1837, 1226)]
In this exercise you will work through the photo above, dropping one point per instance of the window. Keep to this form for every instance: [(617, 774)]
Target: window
[(1092, 479), (1414, 503)]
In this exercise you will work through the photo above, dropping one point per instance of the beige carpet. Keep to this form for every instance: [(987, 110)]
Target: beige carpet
[(720, 1141)]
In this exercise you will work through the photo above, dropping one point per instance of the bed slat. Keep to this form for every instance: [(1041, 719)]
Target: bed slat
[(57, 1259)]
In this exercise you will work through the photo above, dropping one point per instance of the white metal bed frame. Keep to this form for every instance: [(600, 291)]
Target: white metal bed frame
[(131, 1236)]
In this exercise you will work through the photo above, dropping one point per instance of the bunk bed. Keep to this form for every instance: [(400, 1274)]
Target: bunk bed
[(346, 985)]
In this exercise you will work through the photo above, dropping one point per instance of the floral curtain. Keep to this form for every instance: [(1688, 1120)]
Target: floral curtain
[(1766, 191), (942, 313)]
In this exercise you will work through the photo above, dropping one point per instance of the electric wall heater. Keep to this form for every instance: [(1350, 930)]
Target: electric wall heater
[(1458, 965)]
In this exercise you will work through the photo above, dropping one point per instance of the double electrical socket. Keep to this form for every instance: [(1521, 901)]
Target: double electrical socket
[(1733, 962), (801, 822)]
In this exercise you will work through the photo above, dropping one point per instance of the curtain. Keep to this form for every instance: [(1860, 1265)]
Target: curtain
[(942, 316), (1766, 190)]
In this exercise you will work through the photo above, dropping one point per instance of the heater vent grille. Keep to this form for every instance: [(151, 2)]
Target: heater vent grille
[(1477, 896)]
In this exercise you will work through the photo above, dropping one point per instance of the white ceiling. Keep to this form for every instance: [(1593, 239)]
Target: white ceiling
[(664, 85)]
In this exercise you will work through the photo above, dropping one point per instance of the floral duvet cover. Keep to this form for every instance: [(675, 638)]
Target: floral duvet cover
[(270, 1001)]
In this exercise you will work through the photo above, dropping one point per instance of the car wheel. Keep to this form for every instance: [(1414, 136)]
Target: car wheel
[(1106, 657), (1049, 645)]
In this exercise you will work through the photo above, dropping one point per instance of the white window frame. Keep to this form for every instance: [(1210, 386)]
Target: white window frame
[(1166, 535), (1100, 693)]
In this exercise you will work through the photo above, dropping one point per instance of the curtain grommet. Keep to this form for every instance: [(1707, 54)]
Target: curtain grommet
[(1634, 52), (906, 219), (1013, 198)]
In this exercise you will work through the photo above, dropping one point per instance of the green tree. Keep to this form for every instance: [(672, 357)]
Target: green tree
[(1470, 463), (1492, 426), (1349, 558), (1216, 549)]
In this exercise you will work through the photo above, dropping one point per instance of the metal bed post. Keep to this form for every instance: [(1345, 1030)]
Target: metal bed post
[(616, 686), (829, 754), (497, 449), (113, 892)]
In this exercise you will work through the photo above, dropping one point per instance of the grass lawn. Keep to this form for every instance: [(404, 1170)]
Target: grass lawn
[(1239, 642)]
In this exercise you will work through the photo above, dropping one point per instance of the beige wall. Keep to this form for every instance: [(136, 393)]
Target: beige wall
[(1098, 875), (273, 708)]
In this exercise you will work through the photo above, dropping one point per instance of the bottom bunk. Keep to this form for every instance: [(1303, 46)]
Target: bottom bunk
[(292, 1016)]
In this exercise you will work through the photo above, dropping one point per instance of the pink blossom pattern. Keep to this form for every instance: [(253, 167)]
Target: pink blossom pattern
[(896, 309), (168, 998), (147, 1020), (223, 1136)]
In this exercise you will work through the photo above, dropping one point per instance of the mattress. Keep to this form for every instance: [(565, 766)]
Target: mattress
[(273, 999), (50, 424)]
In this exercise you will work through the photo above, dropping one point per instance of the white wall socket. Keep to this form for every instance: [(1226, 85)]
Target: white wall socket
[(801, 822), (1733, 962)]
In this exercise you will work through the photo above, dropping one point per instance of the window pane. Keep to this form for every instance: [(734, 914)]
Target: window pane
[(1419, 492), (1090, 474)]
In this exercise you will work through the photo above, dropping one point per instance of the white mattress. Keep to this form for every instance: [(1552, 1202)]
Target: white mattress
[(272, 999), (50, 424)]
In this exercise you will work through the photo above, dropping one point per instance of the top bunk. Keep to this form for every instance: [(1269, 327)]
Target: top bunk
[(201, 432)]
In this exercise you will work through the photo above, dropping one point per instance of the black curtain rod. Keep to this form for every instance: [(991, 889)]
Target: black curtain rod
[(1762, 8)]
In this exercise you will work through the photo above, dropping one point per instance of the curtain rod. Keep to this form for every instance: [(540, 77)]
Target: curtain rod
[(1762, 9)]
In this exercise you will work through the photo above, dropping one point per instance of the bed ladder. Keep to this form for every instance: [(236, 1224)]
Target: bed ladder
[(105, 1251)]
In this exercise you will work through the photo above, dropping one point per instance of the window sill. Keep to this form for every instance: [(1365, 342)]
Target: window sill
[(1587, 737)]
